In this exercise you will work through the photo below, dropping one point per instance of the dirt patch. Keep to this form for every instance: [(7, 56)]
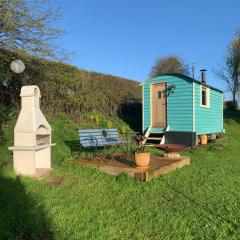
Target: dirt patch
[(56, 181), (221, 148)]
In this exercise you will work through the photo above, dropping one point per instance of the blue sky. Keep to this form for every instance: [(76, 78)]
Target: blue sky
[(125, 37)]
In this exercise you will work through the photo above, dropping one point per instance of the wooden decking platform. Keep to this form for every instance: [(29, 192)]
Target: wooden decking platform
[(158, 166)]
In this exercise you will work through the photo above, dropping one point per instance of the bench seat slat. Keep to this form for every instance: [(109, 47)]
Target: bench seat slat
[(90, 130), (98, 132), (92, 145), (94, 142), (91, 139), (113, 136), (112, 132), (90, 135)]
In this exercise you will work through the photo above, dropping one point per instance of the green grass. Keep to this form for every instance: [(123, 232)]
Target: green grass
[(200, 201)]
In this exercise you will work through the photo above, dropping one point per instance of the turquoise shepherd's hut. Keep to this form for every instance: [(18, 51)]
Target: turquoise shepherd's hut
[(179, 108)]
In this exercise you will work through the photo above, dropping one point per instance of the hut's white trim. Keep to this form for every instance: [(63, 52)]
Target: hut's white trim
[(207, 97), (142, 107), (193, 103), (150, 118)]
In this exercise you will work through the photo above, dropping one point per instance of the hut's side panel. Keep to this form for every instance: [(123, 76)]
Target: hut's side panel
[(146, 111), (179, 103), (208, 119)]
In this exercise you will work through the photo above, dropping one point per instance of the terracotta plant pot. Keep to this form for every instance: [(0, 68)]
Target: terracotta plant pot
[(142, 159)]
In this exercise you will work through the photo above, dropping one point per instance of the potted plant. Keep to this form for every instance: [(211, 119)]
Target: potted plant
[(142, 157)]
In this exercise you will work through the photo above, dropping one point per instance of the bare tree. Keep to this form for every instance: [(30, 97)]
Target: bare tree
[(169, 64), (26, 27), (229, 71)]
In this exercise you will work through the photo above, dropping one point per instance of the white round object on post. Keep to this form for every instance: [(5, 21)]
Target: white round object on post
[(17, 66)]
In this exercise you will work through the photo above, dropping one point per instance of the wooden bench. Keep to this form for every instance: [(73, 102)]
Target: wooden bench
[(94, 138)]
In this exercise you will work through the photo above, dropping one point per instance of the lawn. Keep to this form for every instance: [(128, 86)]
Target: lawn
[(199, 201)]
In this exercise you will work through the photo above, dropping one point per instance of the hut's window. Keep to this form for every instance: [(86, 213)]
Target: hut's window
[(205, 97)]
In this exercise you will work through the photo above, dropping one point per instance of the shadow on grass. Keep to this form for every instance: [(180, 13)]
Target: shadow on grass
[(231, 115), (74, 146), (3, 118), (133, 121), (21, 217), (131, 114), (76, 149), (127, 159), (110, 151)]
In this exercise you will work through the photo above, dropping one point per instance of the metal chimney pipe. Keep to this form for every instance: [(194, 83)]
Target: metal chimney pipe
[(203, 75)]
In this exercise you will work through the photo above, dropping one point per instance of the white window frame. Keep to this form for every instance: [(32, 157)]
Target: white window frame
[(207, 97)]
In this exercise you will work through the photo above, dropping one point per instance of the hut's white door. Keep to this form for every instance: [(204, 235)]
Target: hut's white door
[(158, 102)]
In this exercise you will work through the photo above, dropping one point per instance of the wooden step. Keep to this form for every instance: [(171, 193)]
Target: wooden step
[(154, 138), (157, 132), (150, 144)]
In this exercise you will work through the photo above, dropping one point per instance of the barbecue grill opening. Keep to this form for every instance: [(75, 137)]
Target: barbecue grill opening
[(43, 135)]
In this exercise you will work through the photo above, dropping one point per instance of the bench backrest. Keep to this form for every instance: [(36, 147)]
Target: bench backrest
[(98, 137)]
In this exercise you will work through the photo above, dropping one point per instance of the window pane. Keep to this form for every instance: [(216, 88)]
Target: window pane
[(204, 99)]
